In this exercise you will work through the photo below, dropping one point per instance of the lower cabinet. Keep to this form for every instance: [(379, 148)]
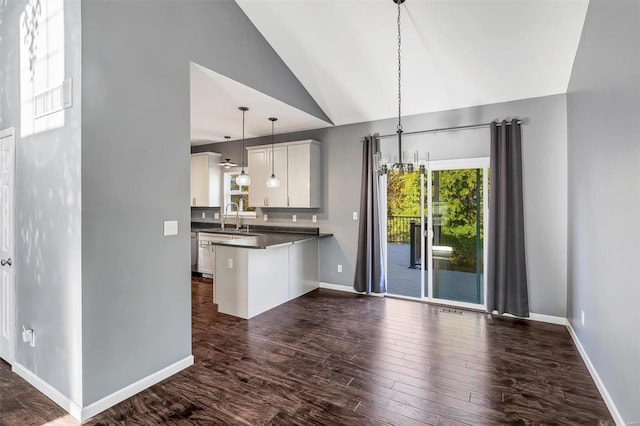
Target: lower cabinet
[(248, 284)]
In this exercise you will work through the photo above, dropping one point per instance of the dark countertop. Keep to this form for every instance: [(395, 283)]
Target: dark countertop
[(267, 236)]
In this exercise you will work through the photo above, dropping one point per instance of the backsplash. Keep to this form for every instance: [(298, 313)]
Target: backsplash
[(304, 217)]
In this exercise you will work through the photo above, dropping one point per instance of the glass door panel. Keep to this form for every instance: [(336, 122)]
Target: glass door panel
[(457, 245), (406, 218)]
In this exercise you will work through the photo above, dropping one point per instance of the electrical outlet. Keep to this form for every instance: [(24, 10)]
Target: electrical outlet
[(204, 215), (265, 217), (170, 227), (294, 218), (355, 215), (314, 218), (582, 317), (230, 263), (339, 268)]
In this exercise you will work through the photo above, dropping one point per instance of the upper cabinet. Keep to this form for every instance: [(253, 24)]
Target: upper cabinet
[(297, 165), (205, 179)]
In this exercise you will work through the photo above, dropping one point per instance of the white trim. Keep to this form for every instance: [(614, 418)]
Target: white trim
[(617, 417), (84, 413), (551, 319), (49, 391), (345, 288), (478, 308), (128, 391)]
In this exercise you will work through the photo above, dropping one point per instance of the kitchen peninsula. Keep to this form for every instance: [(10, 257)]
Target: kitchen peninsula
[(259, 270)]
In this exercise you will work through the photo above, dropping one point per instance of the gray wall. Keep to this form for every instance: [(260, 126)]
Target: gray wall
[(48, 221), (135, 171), (545, 186), (603, 106)]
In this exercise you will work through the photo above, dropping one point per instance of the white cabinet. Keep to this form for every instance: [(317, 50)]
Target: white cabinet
[(304, 174), (248, 284), (257, 164), (297, 165), (205, 179)]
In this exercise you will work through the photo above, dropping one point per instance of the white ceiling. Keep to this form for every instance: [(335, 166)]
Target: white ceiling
[(214, 110), (455, 53)]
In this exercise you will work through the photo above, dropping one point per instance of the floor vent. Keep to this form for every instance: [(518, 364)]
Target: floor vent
[(451, 311)]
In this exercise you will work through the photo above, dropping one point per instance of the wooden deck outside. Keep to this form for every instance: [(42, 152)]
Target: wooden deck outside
[(403, 281)]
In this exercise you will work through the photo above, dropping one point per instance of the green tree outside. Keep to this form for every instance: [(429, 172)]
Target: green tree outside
[(457, 201)]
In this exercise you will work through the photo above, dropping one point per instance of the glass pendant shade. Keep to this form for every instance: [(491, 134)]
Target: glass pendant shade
[(244, 179), (273, 182)]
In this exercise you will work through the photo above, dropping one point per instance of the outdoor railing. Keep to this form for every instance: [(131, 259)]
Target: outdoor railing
[(399, 228)]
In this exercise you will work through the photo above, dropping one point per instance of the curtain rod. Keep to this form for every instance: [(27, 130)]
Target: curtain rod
[(450, 129)]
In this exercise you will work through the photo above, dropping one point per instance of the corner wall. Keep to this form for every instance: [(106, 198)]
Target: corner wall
[(603, 110), (544, 141), (48, 214), (136, 293)]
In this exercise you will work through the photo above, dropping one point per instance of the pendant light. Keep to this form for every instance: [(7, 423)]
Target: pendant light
[(227, 163), (273, 181), (244, 179), (400, 165)]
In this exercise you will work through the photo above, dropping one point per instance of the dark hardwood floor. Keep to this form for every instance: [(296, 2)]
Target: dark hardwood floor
[(339, 359)]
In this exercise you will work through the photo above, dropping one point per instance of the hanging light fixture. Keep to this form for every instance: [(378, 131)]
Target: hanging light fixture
[(400, 165), (273, 181), (227, 163), (244, 179)]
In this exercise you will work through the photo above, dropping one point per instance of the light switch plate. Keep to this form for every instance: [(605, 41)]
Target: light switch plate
[(355, 215), (204, 215), (294, 218), (230, 263), (314, 218), (265, 217), (216, 215), (170, 227), (339, 268)]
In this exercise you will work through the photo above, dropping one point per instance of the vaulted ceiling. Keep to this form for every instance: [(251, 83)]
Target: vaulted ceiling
[(341, 57), (454, 53)]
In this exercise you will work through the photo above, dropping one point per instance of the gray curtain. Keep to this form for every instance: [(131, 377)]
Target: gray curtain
[(369, 275), (507, 270)]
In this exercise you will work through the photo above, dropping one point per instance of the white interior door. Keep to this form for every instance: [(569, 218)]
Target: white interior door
[(7, 294)]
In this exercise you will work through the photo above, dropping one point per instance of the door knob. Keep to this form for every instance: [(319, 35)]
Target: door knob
[(4, 262)]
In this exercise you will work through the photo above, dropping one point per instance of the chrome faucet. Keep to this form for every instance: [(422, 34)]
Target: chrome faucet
[(224, 212)]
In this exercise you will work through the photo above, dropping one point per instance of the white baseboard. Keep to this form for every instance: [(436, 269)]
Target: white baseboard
[(127, 392), (532, 317), (338, 287), (551, 319), (345, 288), (82, 414), (617, 417), (49, 391)]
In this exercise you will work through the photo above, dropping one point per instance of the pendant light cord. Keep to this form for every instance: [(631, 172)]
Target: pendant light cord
[(399, 128), (273, 157), (243, 111)]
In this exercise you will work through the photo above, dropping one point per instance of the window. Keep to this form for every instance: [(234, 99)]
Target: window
[(236, 194)]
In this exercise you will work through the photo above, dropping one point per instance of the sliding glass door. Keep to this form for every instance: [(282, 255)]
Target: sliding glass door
[(406, 221), (436, 225)]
